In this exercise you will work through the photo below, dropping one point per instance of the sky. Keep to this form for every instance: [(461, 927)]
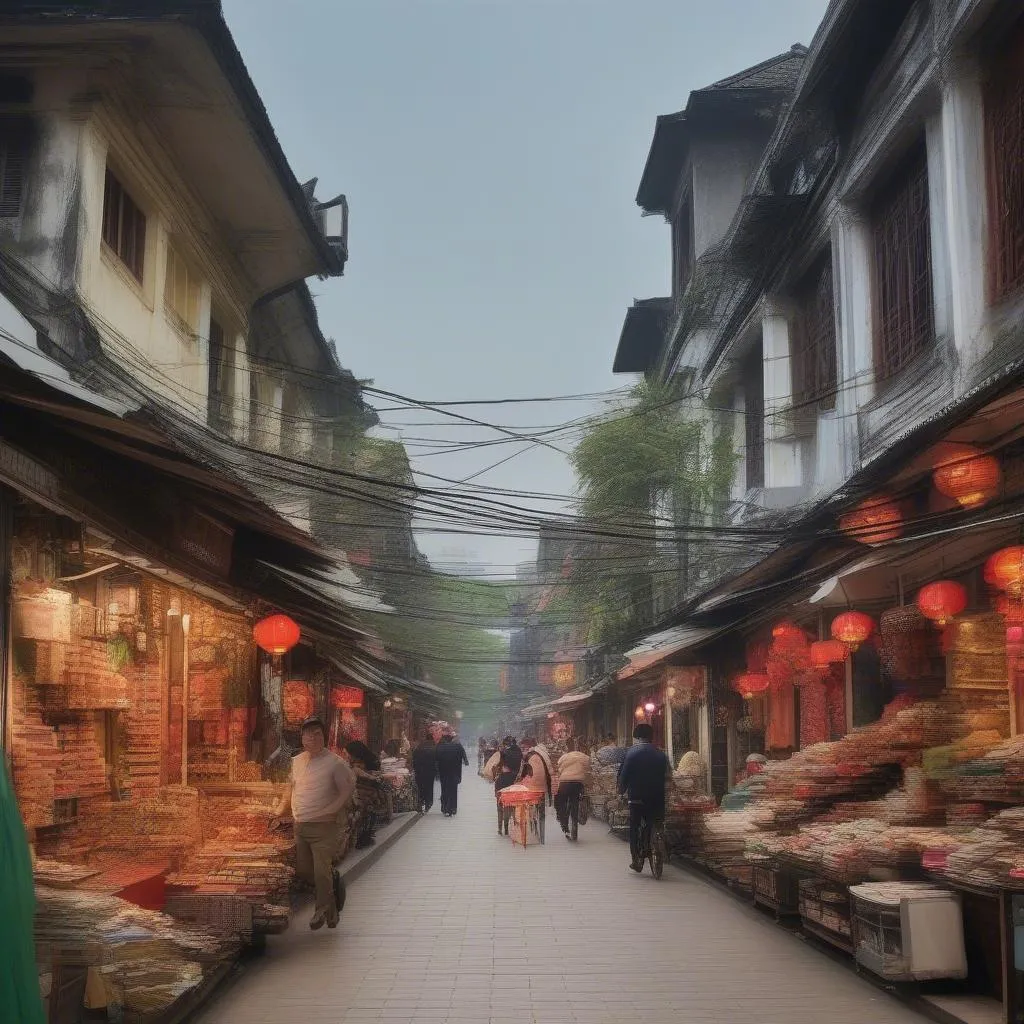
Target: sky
[(490, 151)]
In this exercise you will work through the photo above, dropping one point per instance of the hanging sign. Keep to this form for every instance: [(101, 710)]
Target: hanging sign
[(564, 675)]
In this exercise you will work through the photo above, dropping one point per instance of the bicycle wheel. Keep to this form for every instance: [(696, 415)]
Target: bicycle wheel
[(657, 854)]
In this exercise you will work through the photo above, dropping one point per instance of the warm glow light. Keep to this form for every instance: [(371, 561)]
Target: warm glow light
[(1005, 570), (788, 631), (967, 475), (750, 684), (670, 692), (639, 713), (276, 635), (942, 601), (875, 521), (650, 708), (825, 653), (852, 629)]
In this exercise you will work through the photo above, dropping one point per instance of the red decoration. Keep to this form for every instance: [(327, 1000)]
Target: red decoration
[(750, 684), (276, 635), (826, 653), (297, 701), (1005, 570), (967, 475), (1012, 611), (346, 697), (757, 656), (852, 629), (942, 601), (875, 521), (788, 632)]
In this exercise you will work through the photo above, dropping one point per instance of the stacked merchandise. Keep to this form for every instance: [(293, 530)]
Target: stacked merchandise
[(686, 803), (83, 769), (991, 856), (399, 781), (37, 759), (91, 683), (604, 793), (146, 961), (974, 775)]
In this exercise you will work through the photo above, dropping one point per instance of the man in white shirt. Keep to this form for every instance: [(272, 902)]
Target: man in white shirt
[(322, 785)]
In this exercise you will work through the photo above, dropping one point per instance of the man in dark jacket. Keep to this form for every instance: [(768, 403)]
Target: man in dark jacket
[(424, 767), (451, 756), (642, 778)]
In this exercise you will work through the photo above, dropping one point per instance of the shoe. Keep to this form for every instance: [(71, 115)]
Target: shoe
[(332, 922), (340, 893), (638, 868), (565, 832), (319, 920)]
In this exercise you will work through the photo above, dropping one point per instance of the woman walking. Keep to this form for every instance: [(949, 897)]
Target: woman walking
[(509, 766), (424, 767)]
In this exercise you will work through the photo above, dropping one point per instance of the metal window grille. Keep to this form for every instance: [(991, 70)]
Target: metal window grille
[(124, 225), (905, 315), (13, 160), (753, 399), (814, 341), (682, 249), (1004, 123)]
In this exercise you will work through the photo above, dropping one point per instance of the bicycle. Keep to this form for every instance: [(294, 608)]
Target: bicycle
[(652, 845), (577, 812)]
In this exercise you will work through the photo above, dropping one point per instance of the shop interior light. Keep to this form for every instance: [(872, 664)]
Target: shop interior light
[(639, 713), (650, 708), (671, 693)]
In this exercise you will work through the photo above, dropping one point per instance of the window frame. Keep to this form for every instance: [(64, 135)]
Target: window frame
[(175, 263), (754, 462), (814, 351), (15, 152), (1003, 89), (903, 335), (128, 236)]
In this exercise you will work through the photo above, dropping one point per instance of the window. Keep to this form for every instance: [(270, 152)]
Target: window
[(904, 310), (124, 225), (753, 404), (814, 341), (182, 291), (221, 378), (1004, 123), (14, 148), (682, 249)]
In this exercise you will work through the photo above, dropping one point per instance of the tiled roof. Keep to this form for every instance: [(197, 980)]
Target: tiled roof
[(778, 73)]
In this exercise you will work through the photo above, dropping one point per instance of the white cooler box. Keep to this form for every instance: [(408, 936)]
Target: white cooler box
[(908, 931)]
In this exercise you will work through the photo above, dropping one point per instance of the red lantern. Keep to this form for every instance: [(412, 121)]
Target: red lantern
[(852, 629), (297, 701), (826, 653), (1005, 570), (750, 684), (276, 635), (942, 601), (875, 521), (346, 697), (786, 632), (967, 475)]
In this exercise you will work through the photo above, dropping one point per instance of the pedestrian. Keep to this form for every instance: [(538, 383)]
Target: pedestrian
[(451, 756), (481, 753), (573, 771), (537, 774), (509, 767), (322, 786), (424, 767)]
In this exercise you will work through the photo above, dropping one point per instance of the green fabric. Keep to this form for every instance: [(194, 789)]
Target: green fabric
[(19, 978)]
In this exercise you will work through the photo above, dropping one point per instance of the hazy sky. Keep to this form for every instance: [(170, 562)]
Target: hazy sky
[(490, 151)]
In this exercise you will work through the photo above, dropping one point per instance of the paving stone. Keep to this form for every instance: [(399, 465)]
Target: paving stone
[(454, 924)]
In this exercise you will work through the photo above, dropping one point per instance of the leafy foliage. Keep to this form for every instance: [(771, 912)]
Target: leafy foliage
[(643, 471)]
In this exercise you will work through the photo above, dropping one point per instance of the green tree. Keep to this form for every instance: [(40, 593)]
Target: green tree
[(647, 468)]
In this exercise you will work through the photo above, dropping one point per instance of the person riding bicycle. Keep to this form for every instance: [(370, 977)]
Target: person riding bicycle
[(573, 771), (642, 779)]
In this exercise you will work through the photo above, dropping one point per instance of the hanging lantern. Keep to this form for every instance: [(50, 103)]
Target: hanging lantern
[(852, 629), (346, 698), (826, 653), (875, 521), (276, 635), (297, 703), (967, 475), (750, 684), (942, 601), (1005, 570), (788, 632)]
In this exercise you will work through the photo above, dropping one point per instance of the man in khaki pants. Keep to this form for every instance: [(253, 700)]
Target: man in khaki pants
[(321, 786)]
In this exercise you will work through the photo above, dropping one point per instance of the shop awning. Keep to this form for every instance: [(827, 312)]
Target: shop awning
[(659, 646), (572, 700)]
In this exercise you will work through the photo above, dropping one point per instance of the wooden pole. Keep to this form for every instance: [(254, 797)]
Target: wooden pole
[(185, 623)]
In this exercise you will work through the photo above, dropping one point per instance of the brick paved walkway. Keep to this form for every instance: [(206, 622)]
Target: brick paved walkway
[(457, 925)]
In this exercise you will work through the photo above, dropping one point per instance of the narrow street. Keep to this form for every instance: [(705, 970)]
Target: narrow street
[(455, 924)]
